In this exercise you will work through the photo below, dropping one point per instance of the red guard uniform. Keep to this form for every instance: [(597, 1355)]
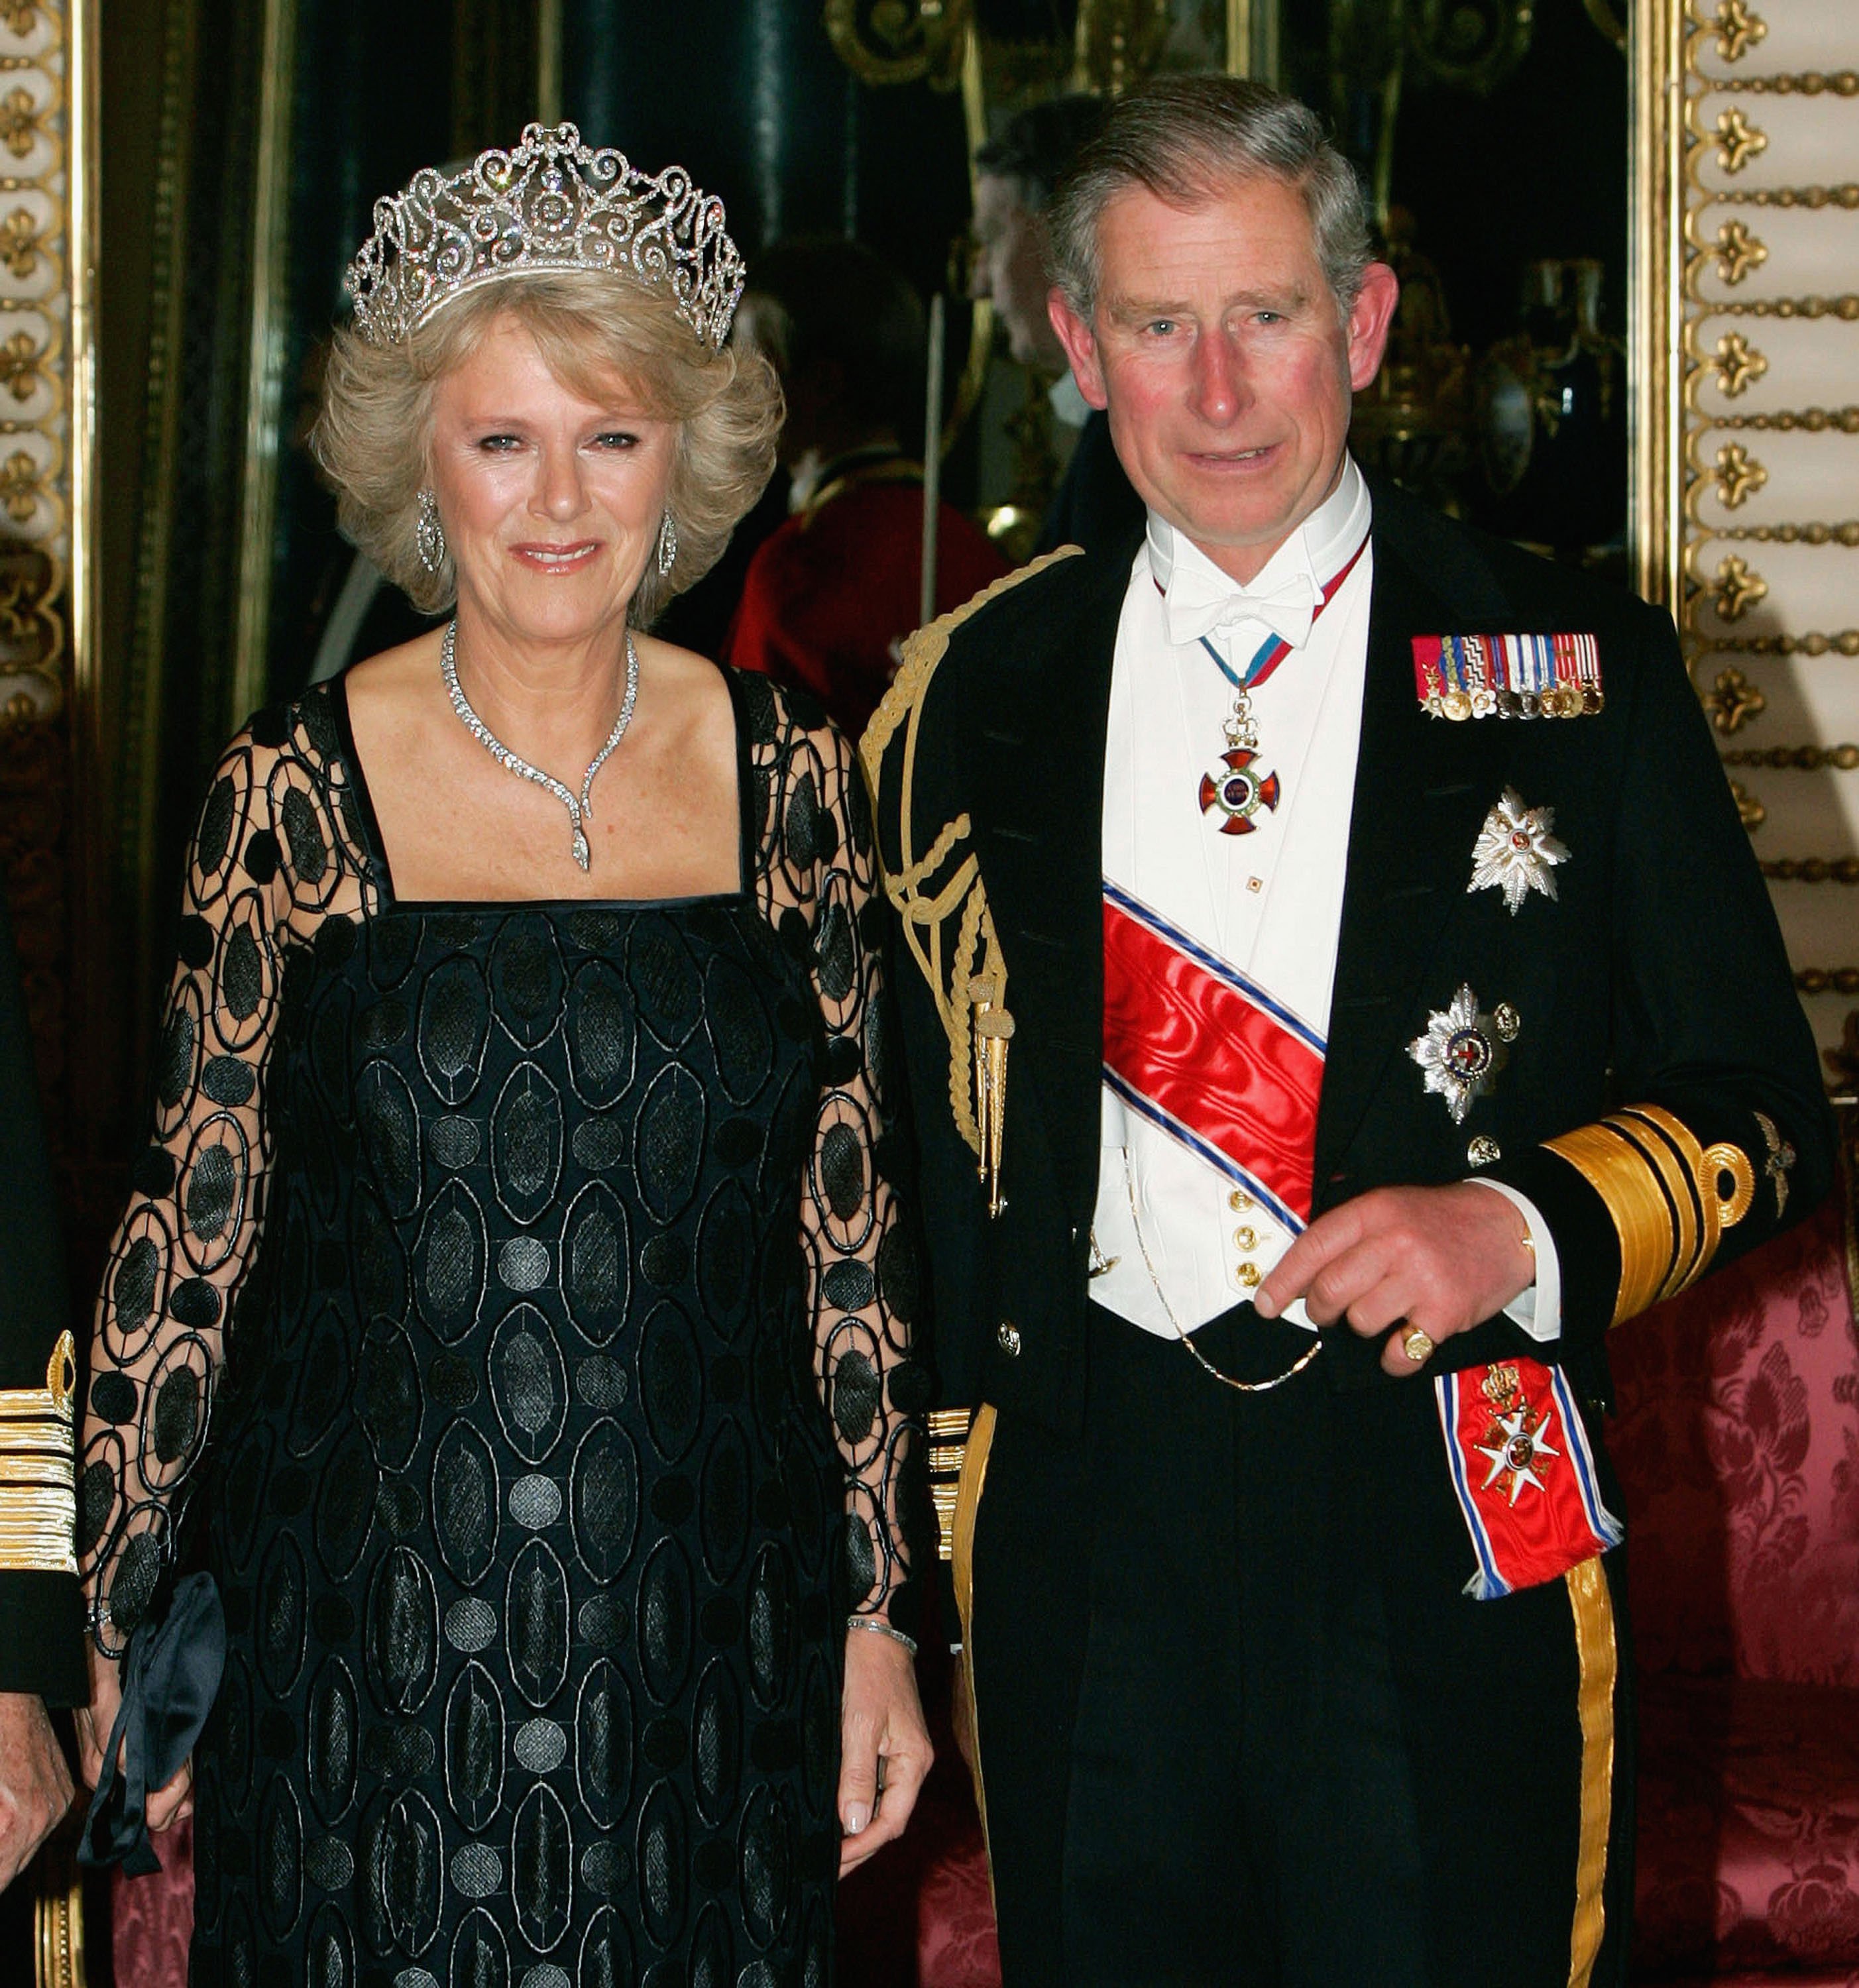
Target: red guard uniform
[(834, 590)]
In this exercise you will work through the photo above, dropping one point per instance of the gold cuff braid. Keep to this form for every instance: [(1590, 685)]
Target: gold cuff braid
[(38, 1470), (1663, 1190)]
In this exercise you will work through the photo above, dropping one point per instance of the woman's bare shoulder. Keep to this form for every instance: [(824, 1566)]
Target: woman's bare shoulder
[(395, 675)]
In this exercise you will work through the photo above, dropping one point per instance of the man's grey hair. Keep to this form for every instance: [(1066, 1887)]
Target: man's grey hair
[(1188, 139)]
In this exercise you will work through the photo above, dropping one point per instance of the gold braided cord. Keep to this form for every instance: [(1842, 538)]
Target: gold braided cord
[(905, 882), (923, 907), (923, 650)]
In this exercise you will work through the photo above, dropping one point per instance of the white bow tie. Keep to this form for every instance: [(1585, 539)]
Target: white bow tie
[(1198, 603)]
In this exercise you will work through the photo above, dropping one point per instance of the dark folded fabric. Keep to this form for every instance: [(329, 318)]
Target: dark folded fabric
[(171, 1676)]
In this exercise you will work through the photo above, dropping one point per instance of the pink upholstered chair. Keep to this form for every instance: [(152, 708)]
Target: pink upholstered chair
[(1738, 1441)]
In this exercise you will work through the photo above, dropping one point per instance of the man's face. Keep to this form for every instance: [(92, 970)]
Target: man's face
[(1008, 266), (1225, 362)]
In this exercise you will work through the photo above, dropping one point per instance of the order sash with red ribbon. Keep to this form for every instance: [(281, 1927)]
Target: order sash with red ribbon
[(1523, 1474), (1197, 1050)]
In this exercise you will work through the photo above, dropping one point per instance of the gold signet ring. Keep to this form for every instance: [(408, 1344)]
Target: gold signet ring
[(1418, 1346)]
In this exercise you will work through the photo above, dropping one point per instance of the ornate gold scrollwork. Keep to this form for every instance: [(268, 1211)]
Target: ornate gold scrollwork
[(1736, 589), (1749, 811), (22, 484), (1733, 701), (1812, 198), (1812, 869), (1808, 83), (899, 41), (1813, 643), (1846, 534), (1797, 758), (1117, 43), (1738, 139), (1846, 309), (1738, 29), (1737, 364), (1811, 420), (1739, 475), (1738, 251), (22, 359)]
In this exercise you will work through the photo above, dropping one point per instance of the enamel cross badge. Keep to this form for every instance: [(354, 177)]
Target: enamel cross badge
[(1236, 791), (1516, 852)]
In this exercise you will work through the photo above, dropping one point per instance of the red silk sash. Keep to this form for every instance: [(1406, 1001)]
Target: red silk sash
[(1522, 1473), (1198, 1050)]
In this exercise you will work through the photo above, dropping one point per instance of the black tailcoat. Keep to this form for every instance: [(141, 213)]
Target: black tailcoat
[(41, 1633), (1656, 974)]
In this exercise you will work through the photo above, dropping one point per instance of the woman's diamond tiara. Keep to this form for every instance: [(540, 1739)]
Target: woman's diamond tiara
[(551, 203)]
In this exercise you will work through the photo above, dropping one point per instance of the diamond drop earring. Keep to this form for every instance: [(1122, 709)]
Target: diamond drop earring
[(668, 543), (429, 534)]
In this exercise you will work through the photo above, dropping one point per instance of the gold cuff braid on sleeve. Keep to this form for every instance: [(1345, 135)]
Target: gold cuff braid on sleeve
[(948, 1434), (39, 1470), (1664, 1192)]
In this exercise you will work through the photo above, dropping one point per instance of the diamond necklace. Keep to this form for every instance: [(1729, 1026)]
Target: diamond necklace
[(578, 810)]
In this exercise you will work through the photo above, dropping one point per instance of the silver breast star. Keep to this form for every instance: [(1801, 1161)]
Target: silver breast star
[(1462, 1052), (1516, 852)]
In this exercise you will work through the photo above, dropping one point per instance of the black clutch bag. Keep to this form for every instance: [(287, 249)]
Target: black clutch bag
[(171, 1676)]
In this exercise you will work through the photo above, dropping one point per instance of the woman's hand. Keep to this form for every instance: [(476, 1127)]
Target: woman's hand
[(166, 1806), (884, 1746)]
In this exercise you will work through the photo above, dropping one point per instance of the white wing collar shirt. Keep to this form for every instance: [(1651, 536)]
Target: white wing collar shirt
[(1267, 903)]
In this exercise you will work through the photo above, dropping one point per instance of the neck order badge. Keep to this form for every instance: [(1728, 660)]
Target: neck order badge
[(1233, 788)]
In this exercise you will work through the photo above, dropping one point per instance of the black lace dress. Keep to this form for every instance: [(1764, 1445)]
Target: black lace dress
[(515, 1293)]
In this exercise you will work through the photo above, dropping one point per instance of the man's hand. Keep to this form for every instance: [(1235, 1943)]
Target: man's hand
[(1441, 1259), (884, 1746), (35, 1783)]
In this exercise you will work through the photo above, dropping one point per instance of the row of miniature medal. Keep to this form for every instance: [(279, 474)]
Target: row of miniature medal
[(1460, 677)]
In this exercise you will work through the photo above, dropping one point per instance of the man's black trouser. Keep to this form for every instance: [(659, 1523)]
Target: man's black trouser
[(1239, 1725)]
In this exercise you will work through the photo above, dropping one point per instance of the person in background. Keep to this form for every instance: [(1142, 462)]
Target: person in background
[(1015, 175), (831, 594), (42, 1645)]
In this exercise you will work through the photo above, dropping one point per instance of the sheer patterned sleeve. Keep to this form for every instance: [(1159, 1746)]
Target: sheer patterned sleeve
[(265, 861), (862, 1270)]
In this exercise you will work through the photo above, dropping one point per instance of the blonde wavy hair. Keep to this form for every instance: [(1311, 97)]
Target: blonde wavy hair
[(374, 432)]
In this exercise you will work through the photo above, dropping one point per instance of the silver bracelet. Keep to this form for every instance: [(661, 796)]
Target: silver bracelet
[(879, 1627)]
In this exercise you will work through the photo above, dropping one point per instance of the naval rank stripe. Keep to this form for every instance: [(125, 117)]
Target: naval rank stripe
[(1198, 1050)]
